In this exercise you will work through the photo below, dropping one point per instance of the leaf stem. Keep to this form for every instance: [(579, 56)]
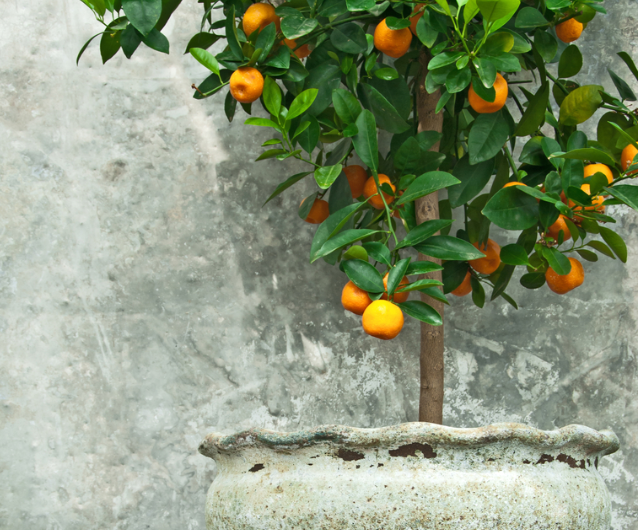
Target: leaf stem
[(511, 162)]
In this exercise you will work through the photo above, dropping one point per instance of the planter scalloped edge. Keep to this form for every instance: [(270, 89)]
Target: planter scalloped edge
[(414, 476)]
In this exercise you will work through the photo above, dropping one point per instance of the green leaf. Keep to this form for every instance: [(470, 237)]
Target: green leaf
[(449, 248), (306, 205), (454, 273), (326, 175), (602, 248), (512, 209), (378, 252), (588, 153), (365, 141), (342, 239), (444, 59), (157, 41), (487, 73), (529, 17), (202, 40), (423, 232), (588, 255), (546, 44), (422, 267), (231, 35), (514, 255), (281, 58), (266, 40), (421, 285), (533, 280), (487, 136), (387, 74), (262, 122), (302, 103), (206, 59), (426, 34), (502, 281), (629, 62), (488, 94), (86, 45), (426, 184), (571, 61), (286, 184), (331, 226), (396, 275), (271, 153), (363, 275), (309, 136), (421, 311), (340, 194), (473, 178), (615, 242), (130, 40), (109, 44), (505, 62), (294, 27), (272, 96), (534, 115), (385, 114), (493, 10), (349, 38), (626, 93), (580, 105), (143, 14), (557, 261), (626, 194), (397, 23), (500, 42), (360, 5), (478, 293), (458, 80)]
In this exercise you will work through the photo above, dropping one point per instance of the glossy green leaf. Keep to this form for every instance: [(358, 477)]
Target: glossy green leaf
[(421, 311), (512, 209), (294, 27), (580, 105), (309, 136), (396, 274), (326, 175), (472, 180), (514, 255), (590, 154), (487, 136), (449, 248), (602, 248), (206, 59), (130, 40), (266, 40), (458, 80), (262, 122), (493, 10), (385, 114), (302, 103), (421, 285), (588, 255), (422, 267), (423, 232), (286, 184), (546, 44), (571, 61), (346, 105), (626, 194), (365, 141), (349, 38), (231, 35), (629, 62), (378, 252), (143, 14), (426, 184), (157, 41), (444, 59), (615, 242), (533, 280), (342, 239), (364, 275), (626, 93), (360, 5), (478, 292), (557, 260), (529, 17), (534, 114)]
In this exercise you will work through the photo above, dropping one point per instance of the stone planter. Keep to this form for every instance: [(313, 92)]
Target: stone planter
[(414, 476)]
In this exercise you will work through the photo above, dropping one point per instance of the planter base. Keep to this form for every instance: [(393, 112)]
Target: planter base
[(415, 476)]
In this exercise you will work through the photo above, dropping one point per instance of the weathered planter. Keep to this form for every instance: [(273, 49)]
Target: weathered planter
[(414, 476)]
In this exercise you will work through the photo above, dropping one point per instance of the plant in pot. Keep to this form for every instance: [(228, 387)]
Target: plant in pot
[(329, 78)]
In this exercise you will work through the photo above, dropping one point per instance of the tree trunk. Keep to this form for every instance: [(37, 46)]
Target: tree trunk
[(427, 208)]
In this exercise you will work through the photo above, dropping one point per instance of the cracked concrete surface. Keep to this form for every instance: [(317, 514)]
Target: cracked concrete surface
[(146, 297)]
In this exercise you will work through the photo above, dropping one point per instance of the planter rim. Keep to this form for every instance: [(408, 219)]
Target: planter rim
[(576, 437)]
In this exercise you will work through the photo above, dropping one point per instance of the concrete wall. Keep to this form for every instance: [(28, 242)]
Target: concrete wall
[(146, 297)]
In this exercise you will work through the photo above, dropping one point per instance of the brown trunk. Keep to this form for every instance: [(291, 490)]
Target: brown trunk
[(427, 208)]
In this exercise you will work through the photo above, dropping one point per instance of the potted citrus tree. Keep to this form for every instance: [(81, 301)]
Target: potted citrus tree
[(327, 79)]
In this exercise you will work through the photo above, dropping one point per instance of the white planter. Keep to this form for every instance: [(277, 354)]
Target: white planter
[(414, 476)]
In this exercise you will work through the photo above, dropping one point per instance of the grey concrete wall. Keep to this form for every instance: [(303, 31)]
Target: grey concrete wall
[(146, 297)]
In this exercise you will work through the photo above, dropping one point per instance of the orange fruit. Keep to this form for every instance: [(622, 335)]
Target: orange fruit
[(596, 203), (562, 284), (569, 30), (485, 107), (302, 52), (559, 225), (591, 169), (319, 212), (354, 299), (257, 17), (399, 298), (357, 178), (370, 191), (627, 157), (382, 319), (414, 20), (465, 287), (393, 42), (492, 259), (514, 183), (246, 84)]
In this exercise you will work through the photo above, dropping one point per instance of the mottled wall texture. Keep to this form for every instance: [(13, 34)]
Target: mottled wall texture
[(147, 298)]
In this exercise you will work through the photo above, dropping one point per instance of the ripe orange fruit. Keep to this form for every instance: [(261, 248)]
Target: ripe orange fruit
[(562, 284), (514, 183), (591, 169), (465, 287), (399, 298), (382, 319), (414, 20), (354, 299), (492, 259), (370, 190), (627, 157), (357, 178), (559, 225), (257, 17), (393, 42), (485, 107), (319, 212), (302, 52), (569, 30), (246, 84)]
